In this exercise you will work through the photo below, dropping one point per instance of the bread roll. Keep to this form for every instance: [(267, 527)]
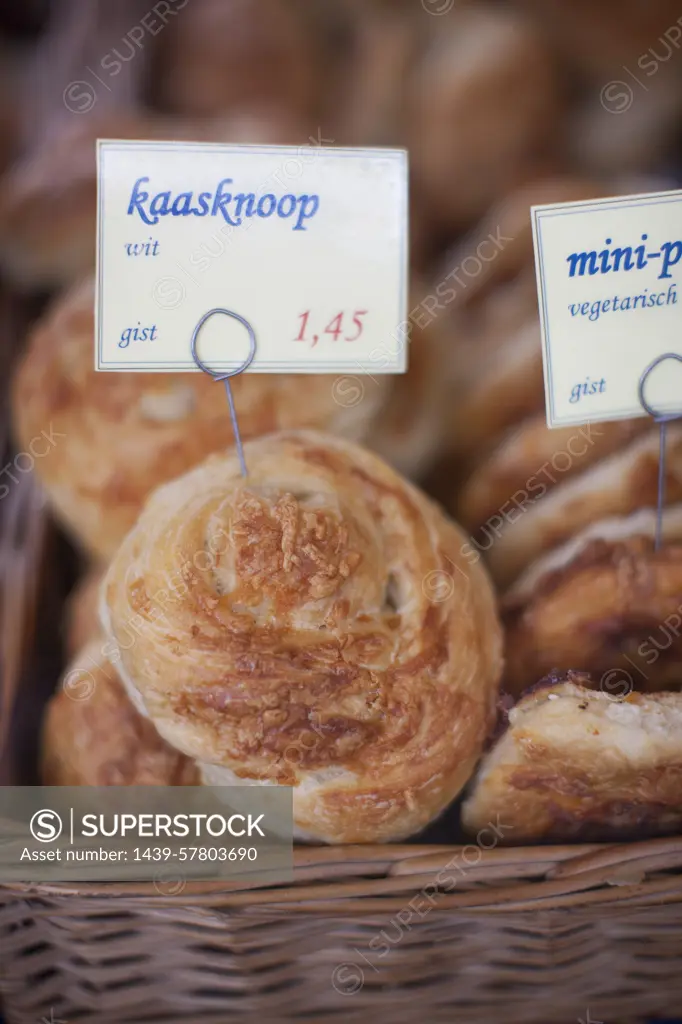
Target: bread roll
[(370, 103), (118, 435), (500, 247), (483, 108), (219, 56), (503, 387), (526, 465), (578, 764), (487, 286), (93, 736), (622, 483), (315, 625), (605, 600)]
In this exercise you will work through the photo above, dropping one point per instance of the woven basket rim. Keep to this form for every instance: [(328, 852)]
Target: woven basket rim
[(345, 878)]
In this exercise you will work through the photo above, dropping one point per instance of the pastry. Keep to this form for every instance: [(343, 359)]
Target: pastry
[(488, 292), (500, 247), (93, 736), (620, 484), (316, 625), (56, 185), (371, 97), (481, 111), (488, 402), (220, 57), (577, 764), (112, 437), (410, 431), (531, 460), (82, 617), (605, 600)]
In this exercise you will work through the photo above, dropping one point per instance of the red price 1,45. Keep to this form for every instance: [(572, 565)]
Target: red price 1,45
[(335, 328)]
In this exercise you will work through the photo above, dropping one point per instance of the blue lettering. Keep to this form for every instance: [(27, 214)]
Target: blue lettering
[(582, 261), (291, 200), (159, 205), (182, 205), (232, 208), (203, 207), (309, 205), (669, 260), (137, 198), (241, 199), (221, 200), (272, 203), (624, 255)]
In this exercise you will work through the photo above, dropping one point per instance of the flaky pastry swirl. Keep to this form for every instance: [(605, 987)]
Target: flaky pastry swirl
[(315, 624), (607, 601)]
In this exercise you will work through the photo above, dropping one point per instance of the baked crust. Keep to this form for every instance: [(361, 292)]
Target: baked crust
[(116, 436), (532, 459), (93, 736), (578, 764), (316, 624), (607, 601), (618, 485), (483, 103), (217, 58)]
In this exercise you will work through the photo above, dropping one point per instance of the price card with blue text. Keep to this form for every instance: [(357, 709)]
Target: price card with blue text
[(307, 244), (610, 290)]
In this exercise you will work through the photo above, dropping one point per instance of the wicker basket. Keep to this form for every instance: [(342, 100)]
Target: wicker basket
[(551, 933)]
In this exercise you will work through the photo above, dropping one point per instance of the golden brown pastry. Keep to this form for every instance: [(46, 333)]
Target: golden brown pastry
[(621, 55), (578, 764), (605, 600), (491, 398), (618, 485), (219, 56), (530, 461), (371, 97), (113, 437), (82, 615), (316, 625), (483, 107), (500, 247), (93, 736), (48, 200), (411, 428)]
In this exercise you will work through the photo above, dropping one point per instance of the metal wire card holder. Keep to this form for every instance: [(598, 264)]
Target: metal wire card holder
[(225, 377), (663, 419)]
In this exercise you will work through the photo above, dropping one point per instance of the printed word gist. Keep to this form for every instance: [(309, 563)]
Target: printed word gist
[(233, 207)]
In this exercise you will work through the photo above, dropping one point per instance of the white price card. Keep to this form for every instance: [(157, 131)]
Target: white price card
[(307, 244), (610, 290)]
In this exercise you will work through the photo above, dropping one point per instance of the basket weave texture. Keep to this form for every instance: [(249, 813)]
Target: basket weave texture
[(410, 933)]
